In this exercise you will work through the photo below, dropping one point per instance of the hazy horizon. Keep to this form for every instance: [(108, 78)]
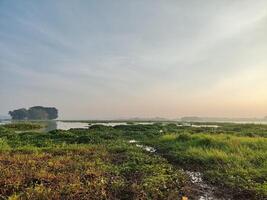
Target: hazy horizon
[(125, 59)]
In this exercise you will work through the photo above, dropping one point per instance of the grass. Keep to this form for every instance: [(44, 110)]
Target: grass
[(99, 163), (236, 161), (82, 164), (24, 126), (87, 172)]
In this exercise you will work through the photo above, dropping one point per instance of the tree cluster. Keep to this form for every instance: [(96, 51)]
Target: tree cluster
[(34, 113)]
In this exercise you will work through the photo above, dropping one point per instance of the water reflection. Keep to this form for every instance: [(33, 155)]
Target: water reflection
[(68, 125), (5, 122), (50, 125), (53, 125)]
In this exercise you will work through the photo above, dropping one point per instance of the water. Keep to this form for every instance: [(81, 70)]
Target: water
[(132, 141), (120, 123), (146, 148), (64, 125), (5, 122), (144, 123), (68, 125), (205, 126), (108, 123), (199, 125)]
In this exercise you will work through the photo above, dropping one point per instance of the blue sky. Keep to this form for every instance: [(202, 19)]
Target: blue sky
[(113, 59)]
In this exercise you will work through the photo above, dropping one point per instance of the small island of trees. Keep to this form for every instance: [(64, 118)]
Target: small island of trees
[(34, 113)]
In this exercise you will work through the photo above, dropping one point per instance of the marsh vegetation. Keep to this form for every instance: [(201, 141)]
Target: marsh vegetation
[(105, 162)]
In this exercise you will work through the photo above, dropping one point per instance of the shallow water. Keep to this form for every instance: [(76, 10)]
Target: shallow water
[(146, 148), (52, 125), (68, 125), (4, 122), (108, 123), (199, 125), (205, 126)]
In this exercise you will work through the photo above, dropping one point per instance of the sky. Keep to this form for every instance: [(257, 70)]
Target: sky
[(101, 59)]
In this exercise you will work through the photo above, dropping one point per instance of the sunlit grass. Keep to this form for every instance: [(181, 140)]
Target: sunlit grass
[(234, 161)]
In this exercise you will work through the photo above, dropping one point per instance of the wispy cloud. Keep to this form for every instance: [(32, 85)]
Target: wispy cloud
[(134, 58)]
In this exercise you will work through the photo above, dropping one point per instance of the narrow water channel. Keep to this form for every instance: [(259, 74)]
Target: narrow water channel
[(205, 190)]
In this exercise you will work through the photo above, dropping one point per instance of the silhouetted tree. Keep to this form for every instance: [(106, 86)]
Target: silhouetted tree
[(52, 112), (19, 114), (35, 113)]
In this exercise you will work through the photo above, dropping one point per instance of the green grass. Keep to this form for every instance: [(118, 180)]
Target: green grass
[(82, 164), (24, 126), (237, 162), (99, 163), (87, 172)]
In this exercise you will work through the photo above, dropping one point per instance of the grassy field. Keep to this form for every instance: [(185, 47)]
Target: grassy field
[(100, 163), (81, 164), (22, 126)]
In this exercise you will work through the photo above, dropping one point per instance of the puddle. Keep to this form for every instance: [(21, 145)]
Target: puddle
[(146, 148), (150, 149), (132, 141)]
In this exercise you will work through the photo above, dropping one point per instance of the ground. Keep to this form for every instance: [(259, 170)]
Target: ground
[(101, 163)]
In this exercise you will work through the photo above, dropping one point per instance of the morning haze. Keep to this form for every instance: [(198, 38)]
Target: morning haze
[(122, 59)]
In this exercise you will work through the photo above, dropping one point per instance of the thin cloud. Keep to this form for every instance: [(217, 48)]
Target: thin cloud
[(133, 58)]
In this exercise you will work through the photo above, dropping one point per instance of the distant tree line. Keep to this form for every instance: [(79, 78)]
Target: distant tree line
[(191, 119), (34, 113)]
